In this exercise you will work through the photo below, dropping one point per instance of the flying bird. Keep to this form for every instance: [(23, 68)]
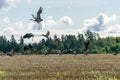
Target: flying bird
[(46, 35), (38, 17), (28, 35)]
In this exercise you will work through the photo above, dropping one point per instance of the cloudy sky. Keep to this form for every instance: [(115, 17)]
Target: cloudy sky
[(60, 16)]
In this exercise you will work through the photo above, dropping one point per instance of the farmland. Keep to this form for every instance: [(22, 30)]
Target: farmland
[(64, 67)]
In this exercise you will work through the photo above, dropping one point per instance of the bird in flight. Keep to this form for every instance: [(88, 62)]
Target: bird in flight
[(38, 17), (46, 35), (28, 35)]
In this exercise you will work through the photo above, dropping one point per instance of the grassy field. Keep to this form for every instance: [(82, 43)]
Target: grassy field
[(65, 67)]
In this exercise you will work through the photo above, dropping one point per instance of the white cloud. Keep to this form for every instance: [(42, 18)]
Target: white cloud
[(91, 22), (20, 28), (8, 31), (66, 20), (8, 3), (5, 20), (103, 25), (114, 29), (59, 32), (100, 23), (13, 29), (49, 21)]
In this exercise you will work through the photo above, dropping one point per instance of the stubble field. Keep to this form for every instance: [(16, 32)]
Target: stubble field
[(64, 67)]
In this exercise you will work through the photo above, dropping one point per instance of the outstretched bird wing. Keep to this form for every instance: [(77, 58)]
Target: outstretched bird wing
[(39, 12), (33, 18), (47, 34), (28, 35)]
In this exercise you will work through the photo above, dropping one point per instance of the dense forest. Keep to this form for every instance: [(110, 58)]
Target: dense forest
[(65, 42)]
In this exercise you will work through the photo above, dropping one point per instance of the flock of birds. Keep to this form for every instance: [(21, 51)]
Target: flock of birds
[(37, 19), (31, 35), (56, 42)]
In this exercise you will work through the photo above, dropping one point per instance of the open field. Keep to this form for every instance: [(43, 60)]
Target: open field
[(65, 67)]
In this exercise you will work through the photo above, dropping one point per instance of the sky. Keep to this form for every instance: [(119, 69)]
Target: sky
[(60, 17)]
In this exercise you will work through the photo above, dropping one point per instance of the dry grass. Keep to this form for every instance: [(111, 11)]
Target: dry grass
[(65, 67)]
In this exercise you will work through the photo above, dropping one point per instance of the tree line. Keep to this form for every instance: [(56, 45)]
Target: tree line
[(97, 44)]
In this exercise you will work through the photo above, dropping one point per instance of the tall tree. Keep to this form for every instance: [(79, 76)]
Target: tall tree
[(13, 44), (21, 44)]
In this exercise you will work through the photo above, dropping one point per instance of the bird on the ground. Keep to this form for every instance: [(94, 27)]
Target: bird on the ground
[(10, 53)]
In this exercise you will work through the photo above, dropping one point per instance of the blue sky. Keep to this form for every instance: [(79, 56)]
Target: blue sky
[(61, 16)]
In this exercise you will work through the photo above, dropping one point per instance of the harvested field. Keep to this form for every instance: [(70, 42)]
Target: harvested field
[(64, 67)]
